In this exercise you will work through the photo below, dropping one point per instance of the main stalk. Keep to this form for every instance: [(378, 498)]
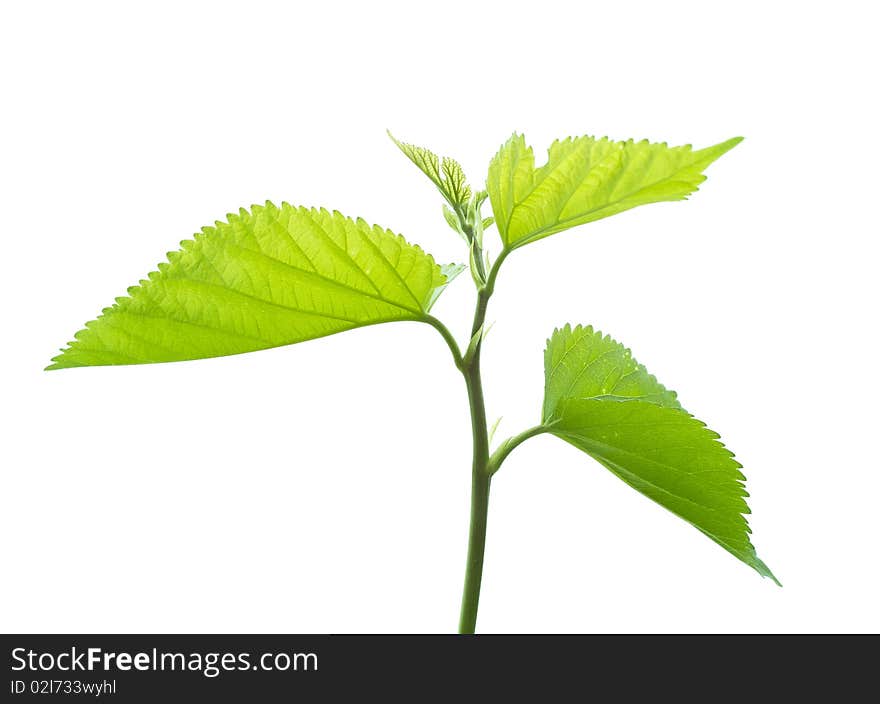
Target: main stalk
[(480, 478)]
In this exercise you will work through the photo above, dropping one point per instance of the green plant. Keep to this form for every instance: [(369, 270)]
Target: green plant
[(278, 275)]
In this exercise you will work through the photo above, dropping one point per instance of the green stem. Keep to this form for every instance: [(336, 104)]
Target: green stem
[(480, 478), (447, 335), (482, 467), (473, 576), (509, 445), (496, 267)]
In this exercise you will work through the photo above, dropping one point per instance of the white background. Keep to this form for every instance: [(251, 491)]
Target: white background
[(324, 487)]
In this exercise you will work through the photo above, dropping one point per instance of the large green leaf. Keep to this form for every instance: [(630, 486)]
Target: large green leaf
[(599, 399), (586, 179), (580, 363), (267, 277)]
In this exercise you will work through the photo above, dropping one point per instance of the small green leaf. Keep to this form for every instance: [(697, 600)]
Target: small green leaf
[(453, 221), (450, 272), (586, 179), (599, 399), (494, 428), (265, 278), (445, 173)]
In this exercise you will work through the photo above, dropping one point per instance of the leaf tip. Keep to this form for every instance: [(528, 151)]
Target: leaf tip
[(762, 569), (729, 144), (714, 152)]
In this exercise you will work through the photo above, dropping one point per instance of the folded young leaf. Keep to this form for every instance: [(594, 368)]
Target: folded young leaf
[(599, 399), (586, 179), (267, 277), (445, 173)]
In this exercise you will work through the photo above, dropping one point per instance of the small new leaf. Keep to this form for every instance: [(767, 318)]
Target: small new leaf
[(453, 221), (445, 173), (599, 399), (267, 277), (586, 179), (494, 428), (450, 272)]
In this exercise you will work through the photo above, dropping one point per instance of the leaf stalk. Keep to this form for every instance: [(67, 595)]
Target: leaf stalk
[(509, 445)]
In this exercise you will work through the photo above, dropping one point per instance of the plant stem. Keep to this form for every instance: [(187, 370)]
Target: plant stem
[(481, 474), (448, 337), (480, 478), (473, 576), (484, 465)]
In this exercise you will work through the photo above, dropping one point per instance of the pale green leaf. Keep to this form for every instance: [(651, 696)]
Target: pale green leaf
[(494, 428), (453, 221), (599, 399), (449, 272), (267, 277), (586, 179), (445, 173)]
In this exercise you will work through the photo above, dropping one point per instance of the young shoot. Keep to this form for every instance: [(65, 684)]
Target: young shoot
[(276, 275)]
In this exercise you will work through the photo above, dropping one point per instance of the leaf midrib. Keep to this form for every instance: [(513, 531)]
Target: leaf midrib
[(532, 236), (332, 282), (569, 436)]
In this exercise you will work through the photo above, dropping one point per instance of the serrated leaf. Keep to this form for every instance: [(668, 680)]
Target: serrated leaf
[(580, 363), (445, 173), (599, 399), (586, 179), (454, 180), (267, 277)]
